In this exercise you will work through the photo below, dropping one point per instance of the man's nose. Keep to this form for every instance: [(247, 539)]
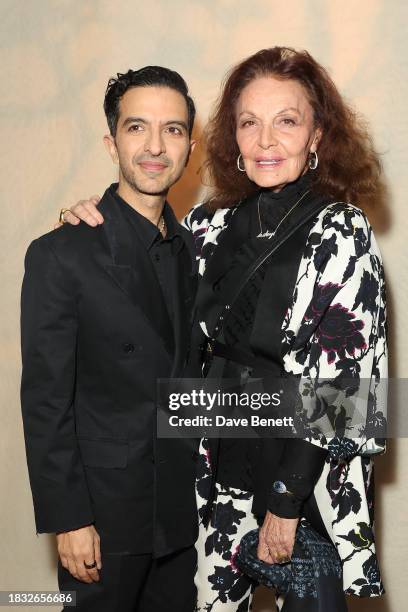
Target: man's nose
[(267, 137), (154, 143)]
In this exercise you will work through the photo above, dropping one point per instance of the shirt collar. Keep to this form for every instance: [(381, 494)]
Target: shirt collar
[(147, 231)]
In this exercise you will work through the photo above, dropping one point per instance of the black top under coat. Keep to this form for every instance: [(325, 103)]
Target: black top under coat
[(302, 462), (162, 251)]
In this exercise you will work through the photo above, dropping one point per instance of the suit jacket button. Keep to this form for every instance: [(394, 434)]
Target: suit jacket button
[(128, 348)]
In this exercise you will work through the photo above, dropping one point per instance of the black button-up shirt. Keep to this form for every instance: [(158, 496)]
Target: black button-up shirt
[(162, 251)]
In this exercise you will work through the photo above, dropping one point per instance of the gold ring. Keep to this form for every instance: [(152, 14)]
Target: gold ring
[(62, 213)]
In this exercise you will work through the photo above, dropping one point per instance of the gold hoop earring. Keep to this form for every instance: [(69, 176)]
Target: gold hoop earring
[(313, 160), (238, 164)]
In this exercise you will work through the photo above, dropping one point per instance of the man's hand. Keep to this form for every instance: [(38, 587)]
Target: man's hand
[(79, 546), (276, 538), (84, 210)]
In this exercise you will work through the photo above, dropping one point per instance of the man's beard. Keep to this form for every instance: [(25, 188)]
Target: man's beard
[(138, 187), (130, 179)]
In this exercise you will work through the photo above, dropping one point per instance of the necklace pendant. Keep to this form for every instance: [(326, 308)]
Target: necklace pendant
[(269, 234), (266, 234)]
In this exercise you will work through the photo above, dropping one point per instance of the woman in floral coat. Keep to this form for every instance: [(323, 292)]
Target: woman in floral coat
[(290, 164)]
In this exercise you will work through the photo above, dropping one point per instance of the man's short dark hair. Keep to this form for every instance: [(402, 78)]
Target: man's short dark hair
[(149, 76)]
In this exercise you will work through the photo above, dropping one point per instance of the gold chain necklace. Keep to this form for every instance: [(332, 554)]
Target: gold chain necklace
[(161, 226), (269, 234)]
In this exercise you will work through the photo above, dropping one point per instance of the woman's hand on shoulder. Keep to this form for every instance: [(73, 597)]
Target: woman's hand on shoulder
[(84, 210), (276, 538)]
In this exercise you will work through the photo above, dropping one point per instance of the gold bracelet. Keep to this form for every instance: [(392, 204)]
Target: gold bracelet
[(62, 213)]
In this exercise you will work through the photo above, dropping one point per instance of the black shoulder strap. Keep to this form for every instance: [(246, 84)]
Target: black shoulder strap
[(307, 215)]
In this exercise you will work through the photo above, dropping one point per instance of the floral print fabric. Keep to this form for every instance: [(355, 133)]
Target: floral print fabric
[(221, 586), (334, 327)]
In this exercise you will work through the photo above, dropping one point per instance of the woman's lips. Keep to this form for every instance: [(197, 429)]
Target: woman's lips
[(269, 164)]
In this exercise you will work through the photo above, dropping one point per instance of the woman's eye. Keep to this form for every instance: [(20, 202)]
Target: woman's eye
[(247, 123), (287, 121)]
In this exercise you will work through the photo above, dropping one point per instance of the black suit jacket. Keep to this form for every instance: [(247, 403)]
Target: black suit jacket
[(95, 339)]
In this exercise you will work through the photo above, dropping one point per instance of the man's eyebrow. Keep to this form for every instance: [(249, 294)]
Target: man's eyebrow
[(133, 120), (182, 124), (129, 120)]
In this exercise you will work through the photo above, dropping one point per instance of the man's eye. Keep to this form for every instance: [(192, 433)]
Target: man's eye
[(135, 128), (175, 130)]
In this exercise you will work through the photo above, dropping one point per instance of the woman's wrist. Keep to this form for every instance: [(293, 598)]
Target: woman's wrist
[(288, 493)]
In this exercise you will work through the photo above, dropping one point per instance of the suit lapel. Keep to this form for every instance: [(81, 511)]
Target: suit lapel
[(138, 281), (185, 282)]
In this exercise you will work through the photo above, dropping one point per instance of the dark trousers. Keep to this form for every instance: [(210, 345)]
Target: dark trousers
[(137, 583)]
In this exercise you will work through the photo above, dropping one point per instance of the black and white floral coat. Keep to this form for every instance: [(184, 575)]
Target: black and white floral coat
[(335, 324)]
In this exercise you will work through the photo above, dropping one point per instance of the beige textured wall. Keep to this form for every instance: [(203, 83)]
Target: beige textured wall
[(56, 57)]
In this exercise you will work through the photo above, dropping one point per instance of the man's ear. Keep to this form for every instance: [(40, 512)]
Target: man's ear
[(191, 149), (110, 146)]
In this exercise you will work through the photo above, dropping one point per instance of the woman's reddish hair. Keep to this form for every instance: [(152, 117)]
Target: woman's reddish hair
[(349, 167)]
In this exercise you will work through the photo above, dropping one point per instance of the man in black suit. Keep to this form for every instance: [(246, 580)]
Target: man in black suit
[(105, 313)]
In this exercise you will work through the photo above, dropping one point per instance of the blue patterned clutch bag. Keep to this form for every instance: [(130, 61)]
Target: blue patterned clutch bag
[(314, 561)]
